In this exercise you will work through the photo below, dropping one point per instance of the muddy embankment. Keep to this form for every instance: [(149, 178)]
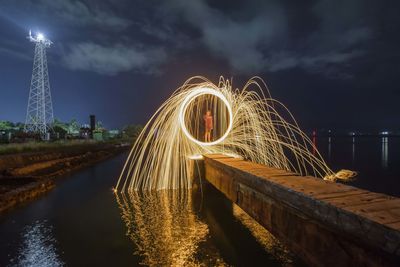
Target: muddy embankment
[(26, 176)]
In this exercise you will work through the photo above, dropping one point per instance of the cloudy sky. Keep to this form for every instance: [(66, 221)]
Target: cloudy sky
[(335, 64)]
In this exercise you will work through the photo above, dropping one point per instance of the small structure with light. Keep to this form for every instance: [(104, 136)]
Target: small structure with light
[(39, 115)]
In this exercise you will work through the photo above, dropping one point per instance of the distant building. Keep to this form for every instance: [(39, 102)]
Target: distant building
[(85, 132), (114, 133), (5, 136), (92, 125)]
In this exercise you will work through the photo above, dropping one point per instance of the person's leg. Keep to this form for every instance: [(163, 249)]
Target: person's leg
[(208, 137), (205, 136)]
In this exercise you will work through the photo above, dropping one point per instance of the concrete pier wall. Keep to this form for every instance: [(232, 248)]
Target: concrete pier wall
[(324, 223)]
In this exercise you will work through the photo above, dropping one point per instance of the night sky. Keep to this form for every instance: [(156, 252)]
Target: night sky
[(334, 64)]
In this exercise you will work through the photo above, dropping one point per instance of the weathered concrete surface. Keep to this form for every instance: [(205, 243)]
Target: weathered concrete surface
[(325, 223), (18, 160), (28, 189), (30, 175)]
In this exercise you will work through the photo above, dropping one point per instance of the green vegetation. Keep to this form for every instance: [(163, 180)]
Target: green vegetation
[(132, 131), (65, 135), (10, 126), (44, 146)]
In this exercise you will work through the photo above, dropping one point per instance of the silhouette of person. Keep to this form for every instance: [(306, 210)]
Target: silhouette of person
[(208, 123)]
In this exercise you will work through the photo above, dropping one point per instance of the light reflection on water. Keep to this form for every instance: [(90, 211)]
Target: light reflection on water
[(167, 232), (38, 247), (265, 238), (159, 228), (168, 229), (353, 150), (385, 142), (228, 238), (376, 160)]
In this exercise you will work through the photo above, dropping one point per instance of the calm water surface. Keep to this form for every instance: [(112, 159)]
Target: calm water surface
[(82, 223), (376, 159)]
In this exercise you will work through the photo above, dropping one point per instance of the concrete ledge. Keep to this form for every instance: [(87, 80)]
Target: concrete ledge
[(30, 176), (325, 223)]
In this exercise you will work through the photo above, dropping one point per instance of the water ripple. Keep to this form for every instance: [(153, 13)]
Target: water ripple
[(38, 247)]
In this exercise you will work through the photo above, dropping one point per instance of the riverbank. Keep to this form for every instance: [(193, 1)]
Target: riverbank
[(25, 176)]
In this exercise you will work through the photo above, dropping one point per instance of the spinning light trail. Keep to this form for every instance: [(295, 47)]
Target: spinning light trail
[(248, 124)]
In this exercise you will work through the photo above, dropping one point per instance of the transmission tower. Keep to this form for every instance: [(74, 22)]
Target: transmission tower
[(39, 115)]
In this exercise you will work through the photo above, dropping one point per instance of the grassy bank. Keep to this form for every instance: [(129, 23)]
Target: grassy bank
[(29, 170), (16, 148)]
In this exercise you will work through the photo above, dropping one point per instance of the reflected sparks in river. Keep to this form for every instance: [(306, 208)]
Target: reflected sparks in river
[(165, 229)]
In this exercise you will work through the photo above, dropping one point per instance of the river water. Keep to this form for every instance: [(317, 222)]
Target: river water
[(82, 223)]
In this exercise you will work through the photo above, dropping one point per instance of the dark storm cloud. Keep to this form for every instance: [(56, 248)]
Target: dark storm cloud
[(14, 49), (250, 36), (110, 60), (82, 13), (340, 52), (78, 12), (236, 41), (261, 40), (103, 55)]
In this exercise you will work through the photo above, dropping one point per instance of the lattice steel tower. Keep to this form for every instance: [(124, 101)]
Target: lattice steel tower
[(39, 115)]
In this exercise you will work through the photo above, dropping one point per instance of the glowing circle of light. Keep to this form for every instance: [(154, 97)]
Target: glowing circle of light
[(193, 95), (256, 131)]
